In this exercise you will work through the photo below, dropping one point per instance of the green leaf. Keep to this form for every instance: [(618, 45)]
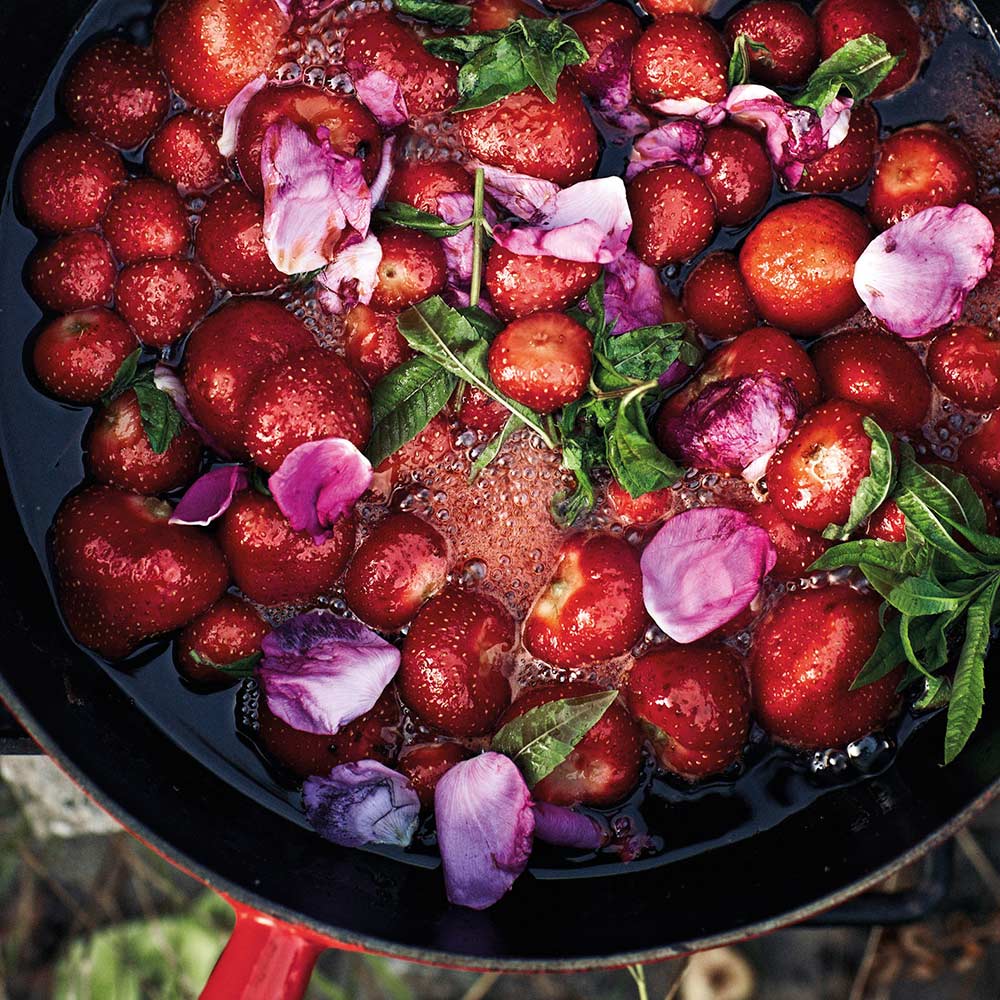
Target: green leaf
[(968, 499), (582, 449), (482, 322), (930, 484), (160, 419), (887, 655), (398, 213), (916, 597), (874, 551), (447, 15), (739, 63), (634, 459), (858, 66), (874, 489), (541, 739), (495, 446), (882, 580), (923, 520), (936, 694), (646, 353), (404, 403), (245, 667), (259, 481), (124, 377)]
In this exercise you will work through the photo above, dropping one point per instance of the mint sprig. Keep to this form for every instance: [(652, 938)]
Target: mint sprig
[(160, 418), (858, 67)]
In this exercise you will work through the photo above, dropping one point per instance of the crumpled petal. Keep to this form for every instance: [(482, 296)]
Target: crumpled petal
[(702, 568), (485, 825), (692, 107), (916, 276), (633, 296), (362, 803), (234, 112), (304, 8), (320, 671), (382, 178), (210, 495), (383, 96), (735, 424), (566, 827), (681, 141), (610, 84), (351, 276), (319, 482), (521, 194), (454, 208), (166, 379)]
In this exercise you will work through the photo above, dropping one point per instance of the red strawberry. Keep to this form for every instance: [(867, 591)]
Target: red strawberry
[(429, 447), (520, 285), (373, 344), (797, 547), (229, 631), (72, 272), (162, 299), (523, 132), (381, 41), (887, 523), (67, 181), (451, 673), (600, 28), (979, 455), (964, 363), (804, 659), (542, 361), (741, 178), (673, 215), (352, 130), (679, 57), (185, 153), (693, 702), (789, 35), (115, 90), (480, 412), (76, 357), (425, 764), (492, 15), (658, 8), (650, 508), (146, 219), (271, 563), (308, 396), (402, 563), (118, 451), (230, 242), (125, 575), (413, 268), (716, 299), (919, 167), (603, 767), (814, 475), (591, 609), (421, 182), (848, 164), (798, 263), (838, 21), (211, 48)]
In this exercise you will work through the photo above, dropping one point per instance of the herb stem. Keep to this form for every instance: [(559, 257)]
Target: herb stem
[(478, 222), (631, 391)]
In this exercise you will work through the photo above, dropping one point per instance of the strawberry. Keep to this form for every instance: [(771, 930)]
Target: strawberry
[(814, 475), (673, 215), (115, 90), (964, 363), (211, 48), (425, 764), (231, 630), (848, 164), (482, 413), (76, 357), (591, 609), (542, 361), (798, 263), (72, 272), (804, 659), (228, 354), (118, 451), (888, 523), (650, 508), (607, 30), (373, 344), (693, 703), (454, 655), (421, 182), (494, 15), (603, 768), (520, 285), (67, 181), (162, 299), (788, 34), (413, 268), (741, 178), (716, 299), (352, 129), (271, 563), (838, 21), (679, 57), (230, 242), (146, 219), (797, 547), (185, 153), (431, 446), (659, 8), (523, 132), (308, 396), (402, 563), (124, 575), (919, 167), (381, 41), (979, 455)]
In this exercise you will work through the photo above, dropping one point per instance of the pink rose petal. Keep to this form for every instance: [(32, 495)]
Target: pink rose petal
[(234, 112), (383, 96), (210, 495), (915, 276), (382, 178), (690, 107), (484, 828), (319, 482), (702, 568), (675, 142), (320, 671), (566, 827), (633, 296), (351, 276), (520, 194)]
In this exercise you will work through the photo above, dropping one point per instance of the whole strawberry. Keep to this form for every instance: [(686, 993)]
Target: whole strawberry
[(741, 177), (146, 219), (964, 363), (788, 35), (373, 344), (185, 153), (673, 215), (716, 298), (229, 631), (162, 299), (849, 164), (679, 57), (72, 272), (413, 268), (520, 285)]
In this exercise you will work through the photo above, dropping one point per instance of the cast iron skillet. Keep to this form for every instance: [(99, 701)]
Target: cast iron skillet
[(261, 857)]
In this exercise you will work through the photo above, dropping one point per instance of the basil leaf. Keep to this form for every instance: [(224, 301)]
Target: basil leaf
[(541, 739), (124, 377), (495, 446), (160, 419), (646, 353), (858, 66), (447, 15), (398, 213), (739, 63), (874, 489), (245, 667), (636, 462)]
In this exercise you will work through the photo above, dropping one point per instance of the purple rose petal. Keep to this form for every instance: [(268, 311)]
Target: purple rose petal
[(351, 276), (210, 495), (702, 568), (234, 112), (362, 803), (319, 482), (633, 296), (383, 96), (611, 83), (915, 276), (692, 107), (167, 380), (320, 671), (521, 194), (568, 828), (485, 825), (675, 142)]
